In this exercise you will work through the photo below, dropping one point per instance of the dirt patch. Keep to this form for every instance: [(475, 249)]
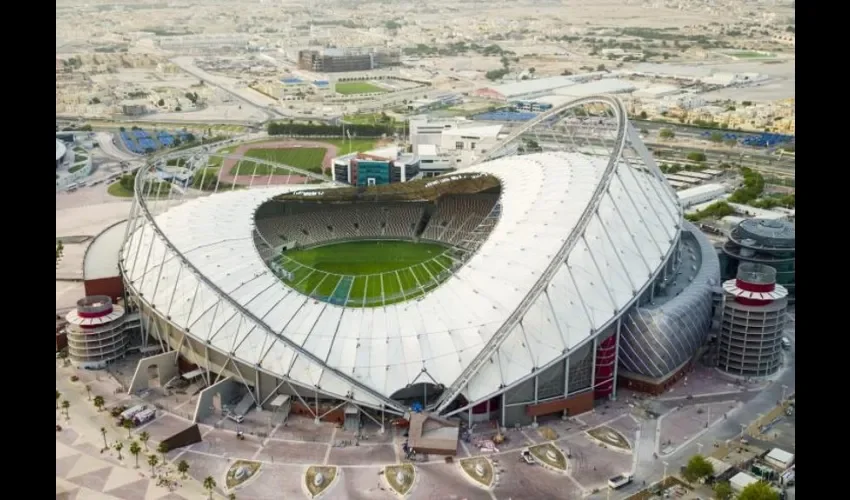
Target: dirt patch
[(228, 164), (610, 437), (548, 433), (328, 476)]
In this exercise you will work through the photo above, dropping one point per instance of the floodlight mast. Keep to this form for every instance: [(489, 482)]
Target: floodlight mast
[(558, 259)]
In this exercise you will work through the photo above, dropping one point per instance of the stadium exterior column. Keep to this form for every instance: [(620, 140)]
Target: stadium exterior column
[(566, 380), (536, 387), (257, 386), (503, 399), (616, 357), (593, 366)]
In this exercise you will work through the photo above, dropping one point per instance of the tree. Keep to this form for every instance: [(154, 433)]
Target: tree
[(103, 433), (532, 70), (88, 391), (99, 402), (716, 137), (722, 490), (128, 424), (143, 437), (696, 156), (118, 447), (152, 461), (160, 102), (666, 133), (65, 405), (209, 485), (162, 449), (643, 115), (135, 450), (231, 496), (58, 397), (758, 491), (698, 468), (183, 468)]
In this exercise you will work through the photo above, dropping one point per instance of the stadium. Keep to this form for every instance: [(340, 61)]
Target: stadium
[(510, 290)]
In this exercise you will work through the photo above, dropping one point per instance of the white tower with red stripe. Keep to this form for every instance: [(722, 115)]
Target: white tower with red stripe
[(96, 332), (753, 319)]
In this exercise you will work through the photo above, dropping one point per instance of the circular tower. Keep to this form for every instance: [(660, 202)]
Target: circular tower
[(96, 332), (754, 306), (763, 241)]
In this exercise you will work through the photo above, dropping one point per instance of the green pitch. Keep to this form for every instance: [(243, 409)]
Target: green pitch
[(303, 158), (348, 88), (368, 273)]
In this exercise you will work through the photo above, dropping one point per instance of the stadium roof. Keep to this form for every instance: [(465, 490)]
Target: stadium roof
[(368, 354), (101, 259), (518, 89), (60, 149)]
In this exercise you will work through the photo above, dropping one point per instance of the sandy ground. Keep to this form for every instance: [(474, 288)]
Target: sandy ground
[(227, 165)]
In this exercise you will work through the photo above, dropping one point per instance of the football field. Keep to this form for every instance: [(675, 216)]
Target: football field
[(367, 273)]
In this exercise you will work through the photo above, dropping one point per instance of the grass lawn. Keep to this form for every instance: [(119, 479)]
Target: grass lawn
[(303, 158), (116, 189), (367, 273), (351, 146), (76, 167), (348, 88)]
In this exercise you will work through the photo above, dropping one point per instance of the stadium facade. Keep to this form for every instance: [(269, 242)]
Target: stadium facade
[(569, 264)]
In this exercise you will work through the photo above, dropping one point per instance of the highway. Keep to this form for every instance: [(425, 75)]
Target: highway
[(666, 152), (187, 64)]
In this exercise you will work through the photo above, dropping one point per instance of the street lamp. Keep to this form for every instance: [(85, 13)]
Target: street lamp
[(784, 388), (699, 448), (743, 431), (664, 476)]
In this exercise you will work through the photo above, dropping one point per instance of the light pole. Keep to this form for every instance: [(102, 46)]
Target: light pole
[(743, 431), (699, 448), (664, 476), (784, 388)]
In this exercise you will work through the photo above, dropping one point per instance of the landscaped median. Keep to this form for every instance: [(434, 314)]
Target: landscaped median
[(400, 478), (550, 456), (318, 479)]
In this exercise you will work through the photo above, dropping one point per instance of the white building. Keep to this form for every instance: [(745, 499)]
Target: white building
[(456, 141), (701, 194), (741, 480), (779, 458)]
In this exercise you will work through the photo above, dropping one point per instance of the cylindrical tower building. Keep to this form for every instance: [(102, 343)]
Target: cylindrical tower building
[(763, 241), (754, 306), (96, 332)]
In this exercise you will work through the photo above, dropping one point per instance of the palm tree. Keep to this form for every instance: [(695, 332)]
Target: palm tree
[(209, 485), (135, 449), (103, 433), (152, 461), (88, 391), (58, 397), (65, 405), (183, 468), (118, 447), (128, 424), (99, 402), (143, 437), (162, 449)]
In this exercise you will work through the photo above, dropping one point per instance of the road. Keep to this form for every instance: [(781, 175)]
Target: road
[(650, 469), (110, 149), (187, 64)]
